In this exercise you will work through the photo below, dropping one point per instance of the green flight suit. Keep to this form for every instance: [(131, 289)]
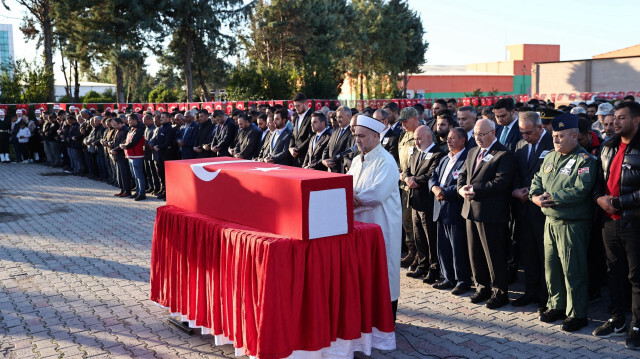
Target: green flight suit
[(569, 180), (406, 146)]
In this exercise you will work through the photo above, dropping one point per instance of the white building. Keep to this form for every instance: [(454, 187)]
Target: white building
[(85, 87), (6, 43)]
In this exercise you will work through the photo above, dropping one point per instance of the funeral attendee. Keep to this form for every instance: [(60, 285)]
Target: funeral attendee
[(302, 131), (608, 128), (536, 143), (318, 143), (487, 113), (444, 122), (134, 152), (452, 105), (604, 109), (406, 146), (266, 145), (467, 116), (23, 136), (163, 145), (280, 140), (204, 136), (394, 112), (50, 135), (188, 135), (248, 138), (224, 136), (261, 122), (388, 138), (423, 161), (587, 138), (562, 188), (339, 142), (151, 173), (375, 195), (508, 133), (617, 195), (5, 135), (122, 165), (485, 184), (452, 236)]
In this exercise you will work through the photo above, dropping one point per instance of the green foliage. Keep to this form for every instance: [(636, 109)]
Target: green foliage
[(23, 82), (249, 82), (492, 92), (93, 97), (162, 94), (476, 93)]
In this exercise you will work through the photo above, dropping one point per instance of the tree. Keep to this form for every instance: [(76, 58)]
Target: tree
[(41, 12), (198, 44), (23, 82)]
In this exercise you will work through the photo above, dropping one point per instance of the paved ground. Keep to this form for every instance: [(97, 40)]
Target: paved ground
[(74, 283)]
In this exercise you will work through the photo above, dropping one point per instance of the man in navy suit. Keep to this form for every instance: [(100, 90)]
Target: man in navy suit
[(318, 143), (188, 136), (485, 183), (280, 139), (529, 219), (388, 137), (452, 236), (223, 137), (508, 133)]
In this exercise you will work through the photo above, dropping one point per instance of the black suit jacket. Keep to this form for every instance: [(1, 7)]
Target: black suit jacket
[(313, 159), (471, 143), (204, 137), (421, 198), (390, 143), (265, 147), (525, 170), (336, 145), (224, 138), (300, 139), (247, 142), (492, 183), (513, 137)]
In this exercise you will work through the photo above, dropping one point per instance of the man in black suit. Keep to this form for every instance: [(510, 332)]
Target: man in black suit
[(302, 131), (265, 148), (394, 112), (425, 157), (280, 139), (223, 137), (529, 219), (452, 236), (264, 130), (247, 139), (339, 142), (204, 135), (467, 116), (318, 143), (508, 133), (389, 137), (485, 184)]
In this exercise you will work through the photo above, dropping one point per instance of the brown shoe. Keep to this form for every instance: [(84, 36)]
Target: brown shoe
[(408, 260)]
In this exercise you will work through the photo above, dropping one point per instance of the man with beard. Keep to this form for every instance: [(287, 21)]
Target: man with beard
[(223, 137), (204, 134), (280, 140), (444, 123), (302, 131)]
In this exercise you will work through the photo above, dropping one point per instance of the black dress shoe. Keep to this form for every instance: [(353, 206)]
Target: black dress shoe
[(524, 300), (551, 315), (133, 195), (480, 296), (418, 273), (443, 285), (407, 261), (162, 196), (431, 277), (141, 198), (460, 289), (497, 300), (572, 324)]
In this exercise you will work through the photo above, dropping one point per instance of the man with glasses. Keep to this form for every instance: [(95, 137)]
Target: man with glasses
[(485, 183)]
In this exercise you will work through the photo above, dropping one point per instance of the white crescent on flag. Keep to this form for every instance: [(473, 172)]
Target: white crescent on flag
[(204, 175)]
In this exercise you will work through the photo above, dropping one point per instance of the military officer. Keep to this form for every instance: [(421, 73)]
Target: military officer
[(562, 188)]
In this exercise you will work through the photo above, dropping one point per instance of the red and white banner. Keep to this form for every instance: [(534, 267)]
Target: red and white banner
[(217, 106), (161, 107), (172, 107), (91, 106), (4, 108), (40, 106), (183, 106), (137, 107), (318, 104), (108, 107), (229, 107), (207, 106), (194, 105), (240, 105)]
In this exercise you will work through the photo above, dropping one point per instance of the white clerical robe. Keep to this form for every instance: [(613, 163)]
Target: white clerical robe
[(375, 182)]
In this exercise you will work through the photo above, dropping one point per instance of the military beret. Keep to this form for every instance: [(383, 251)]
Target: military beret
[(564, 121)]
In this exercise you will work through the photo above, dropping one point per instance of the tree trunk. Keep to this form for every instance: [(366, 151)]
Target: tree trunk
[(203, 85), (76, 90), (67, 87), (188, 56), (119, 84), (48, 56)]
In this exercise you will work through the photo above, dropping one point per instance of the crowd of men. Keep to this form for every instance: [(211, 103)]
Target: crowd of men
[(484, 191)]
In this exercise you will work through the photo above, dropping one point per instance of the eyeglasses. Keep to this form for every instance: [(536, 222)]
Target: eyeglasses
[(477, 134)]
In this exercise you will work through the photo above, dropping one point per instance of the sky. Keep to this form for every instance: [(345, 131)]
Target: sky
[(460, 32)]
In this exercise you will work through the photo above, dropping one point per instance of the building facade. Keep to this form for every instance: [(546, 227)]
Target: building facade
[(6, 44)]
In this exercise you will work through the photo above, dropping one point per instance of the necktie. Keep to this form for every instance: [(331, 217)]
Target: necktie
[(479, 159), (503, 135), (532, 154), (315, 140), (341, 132)]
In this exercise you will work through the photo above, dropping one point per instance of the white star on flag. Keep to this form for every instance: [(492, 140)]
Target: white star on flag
[(265, 169)]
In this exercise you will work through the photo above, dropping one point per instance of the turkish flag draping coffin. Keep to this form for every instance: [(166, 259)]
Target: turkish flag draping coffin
[(288, 201)]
